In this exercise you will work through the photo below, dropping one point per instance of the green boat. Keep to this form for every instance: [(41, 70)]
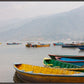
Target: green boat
[(58, 64)]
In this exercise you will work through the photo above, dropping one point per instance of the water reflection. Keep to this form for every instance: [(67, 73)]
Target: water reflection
[(16, 79)]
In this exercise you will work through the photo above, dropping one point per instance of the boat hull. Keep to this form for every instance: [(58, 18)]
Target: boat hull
[(39, 74), (81, 48), (58, 43), (13, 43), (72, 46), (67, 56), (44, 45), (50, 79)]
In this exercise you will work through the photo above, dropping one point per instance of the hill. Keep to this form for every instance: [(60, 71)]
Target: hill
[(55, 27)]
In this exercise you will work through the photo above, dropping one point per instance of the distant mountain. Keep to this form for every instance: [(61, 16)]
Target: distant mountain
[(55, 27)]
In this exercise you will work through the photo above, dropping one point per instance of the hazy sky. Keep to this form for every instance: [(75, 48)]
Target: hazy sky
[(9, 10)]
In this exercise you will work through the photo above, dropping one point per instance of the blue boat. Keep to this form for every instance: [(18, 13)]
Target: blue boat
[(81, 48), (58, 43), (79, 62), (68, 46), (72, 46)]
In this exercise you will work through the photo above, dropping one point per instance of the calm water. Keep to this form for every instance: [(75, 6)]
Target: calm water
[(10, 54)]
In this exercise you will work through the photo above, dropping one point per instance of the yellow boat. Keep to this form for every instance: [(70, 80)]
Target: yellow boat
[(47, 75), (43, 45), (37, 45)]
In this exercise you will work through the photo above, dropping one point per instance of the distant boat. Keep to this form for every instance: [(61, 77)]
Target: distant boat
[(66, 56), (30, 45), (58, 64), (58, 43), (43, 45), (37, 74), (13, 43), (72, 45), (81, 48), (37, 45)]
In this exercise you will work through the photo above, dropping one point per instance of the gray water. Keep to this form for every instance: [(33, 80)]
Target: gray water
[(10, 54)]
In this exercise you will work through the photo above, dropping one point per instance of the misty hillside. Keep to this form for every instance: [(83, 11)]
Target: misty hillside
[(58, 26)]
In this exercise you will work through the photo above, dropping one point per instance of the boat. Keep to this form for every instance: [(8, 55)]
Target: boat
[(81, 48), (58, 43), (31, 45), (39, 74), (72, 45), (79, 62), (67, 56), (48, 62), (43, 45), (69, 46), (37, 45), (13, 43)]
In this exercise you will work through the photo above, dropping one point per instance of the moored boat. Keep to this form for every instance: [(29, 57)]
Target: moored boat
[(81, 48), (37, 45), (72, 45), (43, 45), (47, 75), (69, 46), (13, 43), (58, 64), (30, 45), (58, 43), (67, 56)]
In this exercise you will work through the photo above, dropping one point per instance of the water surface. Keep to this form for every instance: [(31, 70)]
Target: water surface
[(10, 54)]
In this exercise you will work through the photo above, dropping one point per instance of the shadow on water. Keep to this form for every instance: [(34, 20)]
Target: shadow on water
[(18, 80)]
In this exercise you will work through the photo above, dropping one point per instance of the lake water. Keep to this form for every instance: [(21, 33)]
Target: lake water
[(10, 54)]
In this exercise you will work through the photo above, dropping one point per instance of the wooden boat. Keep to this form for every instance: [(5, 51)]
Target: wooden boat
[(39, 45), (47, 75), (13, 43), (58, 43), (30, 45), (79, 62), (67, 56), (72, 45), (69, 46), (43, 45), (58, 64), (81, 48)]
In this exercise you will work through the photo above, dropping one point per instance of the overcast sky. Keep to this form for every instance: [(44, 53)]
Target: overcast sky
[(10, 10)]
